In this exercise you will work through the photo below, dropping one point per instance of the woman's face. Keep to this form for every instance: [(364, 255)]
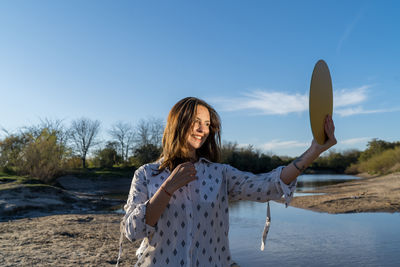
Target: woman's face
[(200, 129)]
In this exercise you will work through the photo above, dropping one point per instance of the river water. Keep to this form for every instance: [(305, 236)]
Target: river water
[(300, 237), (308, 182)]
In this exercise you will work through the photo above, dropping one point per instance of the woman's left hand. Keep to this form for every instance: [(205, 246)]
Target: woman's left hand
[(290, 172), (330, 132)]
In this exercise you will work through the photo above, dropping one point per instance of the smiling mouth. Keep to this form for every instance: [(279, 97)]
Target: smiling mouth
[(197, 137)]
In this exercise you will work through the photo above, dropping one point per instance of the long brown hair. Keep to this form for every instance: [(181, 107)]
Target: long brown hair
[(179, 123)]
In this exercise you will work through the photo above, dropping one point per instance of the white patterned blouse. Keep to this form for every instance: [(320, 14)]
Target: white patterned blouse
[(193, 229)]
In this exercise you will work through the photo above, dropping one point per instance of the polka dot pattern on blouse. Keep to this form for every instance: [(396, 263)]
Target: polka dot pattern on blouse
[(193, 229)]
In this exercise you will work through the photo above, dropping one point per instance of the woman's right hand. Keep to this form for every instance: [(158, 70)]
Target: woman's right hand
[(329, 127), (183, 174)]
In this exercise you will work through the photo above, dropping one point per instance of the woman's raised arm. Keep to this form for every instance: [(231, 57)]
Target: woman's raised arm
[(296, 167)]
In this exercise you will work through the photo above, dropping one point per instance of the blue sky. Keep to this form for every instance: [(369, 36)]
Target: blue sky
[(252, 60)]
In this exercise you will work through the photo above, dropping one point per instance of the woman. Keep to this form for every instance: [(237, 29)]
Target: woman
[(179, 204)]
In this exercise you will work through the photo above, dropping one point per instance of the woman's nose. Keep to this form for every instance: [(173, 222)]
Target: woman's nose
[(200, 128)]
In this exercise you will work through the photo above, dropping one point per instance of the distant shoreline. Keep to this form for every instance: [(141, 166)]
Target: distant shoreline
[(325, 171), (369, 194)]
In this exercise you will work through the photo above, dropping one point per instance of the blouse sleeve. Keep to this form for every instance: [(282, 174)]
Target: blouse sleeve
[(258, 187), (135, 226)]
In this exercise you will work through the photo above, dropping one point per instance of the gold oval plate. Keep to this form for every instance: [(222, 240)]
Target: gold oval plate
[(321, 100)]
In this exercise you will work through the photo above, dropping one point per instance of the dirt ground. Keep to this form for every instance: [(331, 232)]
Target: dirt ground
[(64, 240)]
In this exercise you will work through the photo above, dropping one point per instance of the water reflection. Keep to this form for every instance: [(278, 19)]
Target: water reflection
[(304, 238), (310, 182)]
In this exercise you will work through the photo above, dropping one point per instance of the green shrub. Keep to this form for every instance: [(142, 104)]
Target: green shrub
[(339, 162), (147, 153), (12, 151), (43, 157), (107, 157), (376, 147), (385, 162), (74, 162)]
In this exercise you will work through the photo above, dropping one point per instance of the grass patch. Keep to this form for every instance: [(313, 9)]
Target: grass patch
[(8, 181), (5, 175), (11, 181), (102, 173), (39, 188)]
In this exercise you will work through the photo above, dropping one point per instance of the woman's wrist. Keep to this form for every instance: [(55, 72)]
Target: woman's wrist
[(316, 149), (166, 191), (168, 186)]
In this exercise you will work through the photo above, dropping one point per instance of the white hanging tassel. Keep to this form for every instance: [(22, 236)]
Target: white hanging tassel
[(266, 227), (121, 239)]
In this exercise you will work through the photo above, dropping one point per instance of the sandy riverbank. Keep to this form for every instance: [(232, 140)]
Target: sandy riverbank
[(370, 194), (64, 240)]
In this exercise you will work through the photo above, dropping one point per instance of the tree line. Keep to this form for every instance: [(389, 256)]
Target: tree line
[(380, 157), (51, 148)]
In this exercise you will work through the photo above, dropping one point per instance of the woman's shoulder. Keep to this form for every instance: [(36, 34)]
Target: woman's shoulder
[(149, 168), (224, 167), (211, 164)]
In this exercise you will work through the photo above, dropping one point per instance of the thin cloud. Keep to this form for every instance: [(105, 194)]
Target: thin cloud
[(347, 97), (347, 102), (266, 102), (359, 110), (278, 144), (350, 27), (354, 141)]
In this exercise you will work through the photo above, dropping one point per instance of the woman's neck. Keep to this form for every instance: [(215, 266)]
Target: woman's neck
[(193, 155)]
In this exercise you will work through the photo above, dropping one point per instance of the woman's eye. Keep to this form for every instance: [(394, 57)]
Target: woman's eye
[(197, 123)]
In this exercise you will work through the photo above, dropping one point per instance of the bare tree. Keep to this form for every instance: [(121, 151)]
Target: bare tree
[(149, 132), (5, 132), (156, 131), (142, 137), (123, 134), (83, 133), (148, 140)]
